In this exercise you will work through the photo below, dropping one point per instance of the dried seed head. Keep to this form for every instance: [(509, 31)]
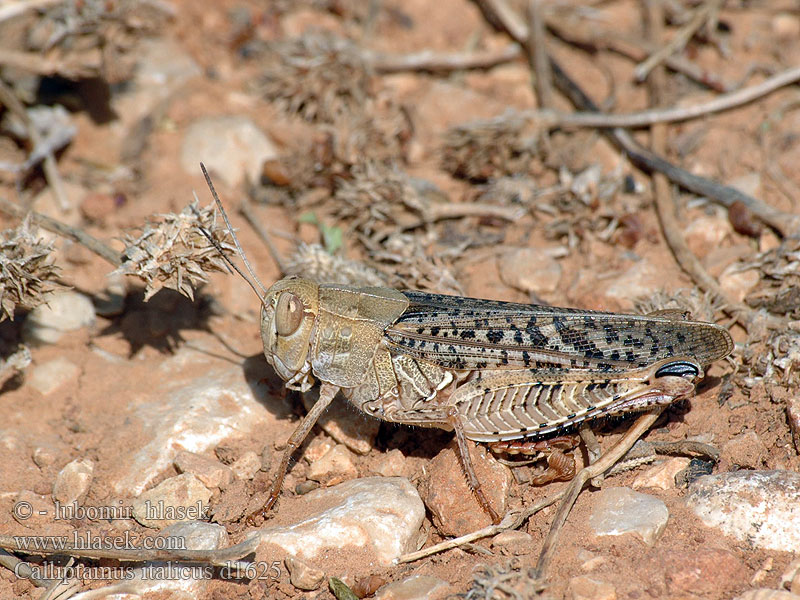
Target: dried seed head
[(175, 253), (492, 148), (779, 289), (317, 77), (26, 275)]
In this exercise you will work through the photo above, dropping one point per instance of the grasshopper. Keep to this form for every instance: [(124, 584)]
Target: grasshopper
[(495, 372)]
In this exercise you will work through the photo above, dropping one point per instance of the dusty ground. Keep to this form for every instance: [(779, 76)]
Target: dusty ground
[(609, 246)]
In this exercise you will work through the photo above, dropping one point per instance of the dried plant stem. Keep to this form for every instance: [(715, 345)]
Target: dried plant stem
[(637, 51), (436, 62), (512, 520), (537, 56), (50, 165), (515, 518), (247, 211), (219, 558), (784, 223), (571, 492), (670, 115), (64, 230), (680, 39), (15, 565)]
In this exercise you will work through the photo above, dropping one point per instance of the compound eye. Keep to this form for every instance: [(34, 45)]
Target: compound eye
[(288, 314)]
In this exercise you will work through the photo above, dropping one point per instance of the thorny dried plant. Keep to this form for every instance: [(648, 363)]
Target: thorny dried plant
[(506, 582), (175, 252), (335, 151), (584, 205), (26, 273), (486, 149), (318, 77), (95, 37), (313, 262), (779, 289), (380, 199)]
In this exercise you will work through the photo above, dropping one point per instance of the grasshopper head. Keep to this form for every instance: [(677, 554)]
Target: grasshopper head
[(288, 314)]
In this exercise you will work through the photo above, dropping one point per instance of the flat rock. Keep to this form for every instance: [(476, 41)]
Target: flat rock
[(378, 517), (454, 508), (761, 508), (247, 465), (232, 147), (64, 312), (620, 510), (189, 412), (179, 498)]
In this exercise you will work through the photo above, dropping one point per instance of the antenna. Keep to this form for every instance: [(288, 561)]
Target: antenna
[(260, 290)]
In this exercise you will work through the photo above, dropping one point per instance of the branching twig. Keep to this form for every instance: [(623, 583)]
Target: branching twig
[(537, 55), (680, 39), (64, 230), (50, 166), (671, 115), (784, 223), (570, 493)]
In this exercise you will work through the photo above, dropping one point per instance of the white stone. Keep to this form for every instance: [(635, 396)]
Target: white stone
[(531, 270), (64, 312), (47, 377), (179, 498), (761, 508), (73, 481), (379, 515), (706, 234), (619, 510), (185, 413), (736, 283), (415, 587), (232, 147)]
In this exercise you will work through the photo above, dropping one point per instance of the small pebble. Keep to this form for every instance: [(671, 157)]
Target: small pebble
[(584, 587), (662, 476), (73, 481), (47, 377), (302, 575), (619, 510), (415, 587), (64, 312), (246, 466), (212, 473)]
